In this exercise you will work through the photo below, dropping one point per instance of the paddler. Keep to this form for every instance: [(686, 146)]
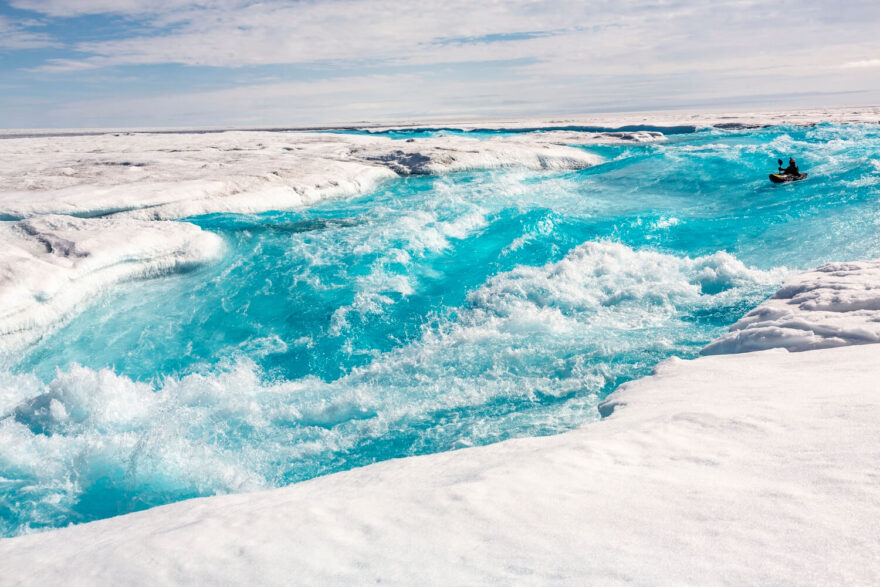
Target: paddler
[(792, 168)]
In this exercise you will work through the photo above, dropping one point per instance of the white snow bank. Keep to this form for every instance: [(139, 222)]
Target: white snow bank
[(50, 265), (167, 176), (448, 154), (834, 305), (745, 469)]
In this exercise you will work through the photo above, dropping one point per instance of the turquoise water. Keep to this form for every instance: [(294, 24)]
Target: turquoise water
[(417, 132), (433, 314)]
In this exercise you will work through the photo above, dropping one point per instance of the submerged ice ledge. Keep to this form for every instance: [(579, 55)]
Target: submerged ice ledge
[(51, 265)]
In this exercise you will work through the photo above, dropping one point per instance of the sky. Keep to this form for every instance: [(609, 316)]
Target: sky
[(139, 63)]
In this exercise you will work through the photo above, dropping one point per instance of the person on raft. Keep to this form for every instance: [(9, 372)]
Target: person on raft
[(792, 168)]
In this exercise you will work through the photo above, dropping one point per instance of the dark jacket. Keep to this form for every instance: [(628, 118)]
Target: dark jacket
[(792, 169)]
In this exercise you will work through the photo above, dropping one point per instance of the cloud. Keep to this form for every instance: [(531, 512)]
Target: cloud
[(17, 36), (861, 64), (68, 8), (307, 32), (505, 56), (66, 65), (631, 34)]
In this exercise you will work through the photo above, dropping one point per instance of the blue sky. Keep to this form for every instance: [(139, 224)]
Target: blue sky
[(111, 63)]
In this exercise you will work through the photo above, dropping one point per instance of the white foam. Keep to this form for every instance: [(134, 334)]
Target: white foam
[(586, 304), (834, 305), (51, 265), (599, 276)]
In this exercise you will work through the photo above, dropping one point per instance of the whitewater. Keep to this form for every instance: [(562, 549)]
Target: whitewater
[(188, 315)]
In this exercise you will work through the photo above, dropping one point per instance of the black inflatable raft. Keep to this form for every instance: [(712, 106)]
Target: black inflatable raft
[(786, 177)]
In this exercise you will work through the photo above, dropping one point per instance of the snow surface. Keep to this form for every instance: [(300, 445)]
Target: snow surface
[(169, 176), (746, 469), (834, 305), (51, 265)]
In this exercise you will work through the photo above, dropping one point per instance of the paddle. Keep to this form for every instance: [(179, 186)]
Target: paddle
[(780, 165)]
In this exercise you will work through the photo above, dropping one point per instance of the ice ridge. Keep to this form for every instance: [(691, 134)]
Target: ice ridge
[(837, 304)]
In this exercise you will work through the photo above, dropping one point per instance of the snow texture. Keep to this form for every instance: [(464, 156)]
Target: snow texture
[(834, 305), (729, 469), (659, 118)]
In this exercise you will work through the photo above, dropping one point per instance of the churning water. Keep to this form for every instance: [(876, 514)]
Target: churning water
[(432, 314)]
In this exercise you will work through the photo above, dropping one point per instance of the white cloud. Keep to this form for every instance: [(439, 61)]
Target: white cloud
[(512, 56), (632, 34), (16, 36), (67, 8), (66, 65), (861, 64)]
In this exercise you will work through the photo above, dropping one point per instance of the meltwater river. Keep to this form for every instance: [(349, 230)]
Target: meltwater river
[(435, 313)]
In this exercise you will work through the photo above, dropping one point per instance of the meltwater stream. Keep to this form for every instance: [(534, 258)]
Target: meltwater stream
[(435, 313)]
